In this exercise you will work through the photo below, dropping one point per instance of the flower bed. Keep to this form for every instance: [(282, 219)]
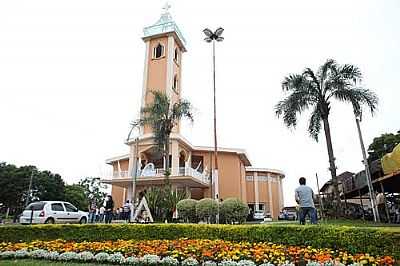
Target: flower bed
[(186, 252)]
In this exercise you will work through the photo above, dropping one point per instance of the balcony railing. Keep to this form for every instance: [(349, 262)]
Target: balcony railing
[(158, 172)]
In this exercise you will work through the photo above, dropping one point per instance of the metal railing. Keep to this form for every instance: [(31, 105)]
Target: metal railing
[(158, 172)]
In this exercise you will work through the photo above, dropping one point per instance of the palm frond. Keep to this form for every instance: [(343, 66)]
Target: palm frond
[(314, 126), (357, 97), (325, 69), (292, 82), (294, 104)]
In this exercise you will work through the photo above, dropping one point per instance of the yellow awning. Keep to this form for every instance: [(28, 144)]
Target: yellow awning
[(391, 161)]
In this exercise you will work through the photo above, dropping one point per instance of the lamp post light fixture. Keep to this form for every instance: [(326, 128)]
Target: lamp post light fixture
[(214, 37)]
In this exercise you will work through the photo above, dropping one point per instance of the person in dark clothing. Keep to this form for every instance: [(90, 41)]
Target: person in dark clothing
[(109, 207)]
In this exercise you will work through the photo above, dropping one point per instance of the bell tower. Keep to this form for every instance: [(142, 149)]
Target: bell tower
[(165, 45)]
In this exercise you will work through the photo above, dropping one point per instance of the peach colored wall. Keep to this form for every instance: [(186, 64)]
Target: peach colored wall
[(123, 165), (275, 199), (263, 189), (157, 72), (230, 174), (117, 194)]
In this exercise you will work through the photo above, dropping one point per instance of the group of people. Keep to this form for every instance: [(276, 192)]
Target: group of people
[(106, 212)]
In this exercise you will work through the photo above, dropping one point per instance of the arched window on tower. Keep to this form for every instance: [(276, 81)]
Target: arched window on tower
[(158, 51), (176, 55), (175, 84)]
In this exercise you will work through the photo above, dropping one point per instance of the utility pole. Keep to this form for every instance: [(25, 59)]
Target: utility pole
[(29, 189), (367, 172), (321, 204)]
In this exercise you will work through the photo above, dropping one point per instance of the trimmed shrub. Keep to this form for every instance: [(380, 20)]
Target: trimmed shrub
[(206, 209), (187, 210), (373, 240), (233, 210)]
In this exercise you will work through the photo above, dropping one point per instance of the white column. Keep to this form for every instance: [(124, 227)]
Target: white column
[(281, 203), (145, 77), (170, 66), (271, 207), (256, 192), (129, 193), (131, 164), (175, 157)]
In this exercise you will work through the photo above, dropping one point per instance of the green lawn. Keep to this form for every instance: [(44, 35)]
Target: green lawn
[(43, 262)]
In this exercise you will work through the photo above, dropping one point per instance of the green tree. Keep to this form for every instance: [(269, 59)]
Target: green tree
[(93, 189), (316, 91), (48, 186), (75, 194), (383, 144), (163, 115), (14, 184)]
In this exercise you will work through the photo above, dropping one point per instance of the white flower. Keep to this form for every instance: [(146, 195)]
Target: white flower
[(267, 264), (313, 263), (54, 255), (246, 263), (22, 253), (86, 256), (7, 254), (38, 254), (190, 262), (116, 258), (150, 259), (169, 261), (209, 263), (101, 257), (228, 263), (132, 261), (287, 264), (68, 256)]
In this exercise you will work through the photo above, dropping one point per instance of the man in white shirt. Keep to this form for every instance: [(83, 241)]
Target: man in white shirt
[(304, 196), (380, 202)]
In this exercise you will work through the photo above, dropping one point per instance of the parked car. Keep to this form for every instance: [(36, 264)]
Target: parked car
[(288, 213), (258, 215), (50, 212)]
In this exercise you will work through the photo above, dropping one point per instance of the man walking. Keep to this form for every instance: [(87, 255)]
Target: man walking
[(304, 196)]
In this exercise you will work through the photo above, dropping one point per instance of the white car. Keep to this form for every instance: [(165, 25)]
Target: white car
[(50, 212)]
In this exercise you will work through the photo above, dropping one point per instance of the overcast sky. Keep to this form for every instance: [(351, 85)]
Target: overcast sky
[(71, 78)]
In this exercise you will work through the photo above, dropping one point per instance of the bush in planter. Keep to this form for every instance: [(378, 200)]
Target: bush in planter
[(233, 210), (187, 209), (206, 209)]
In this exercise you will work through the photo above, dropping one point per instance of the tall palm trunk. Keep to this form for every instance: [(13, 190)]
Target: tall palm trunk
[(332, 166)]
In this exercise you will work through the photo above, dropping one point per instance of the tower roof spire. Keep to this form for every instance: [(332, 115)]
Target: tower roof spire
[(165, 24)]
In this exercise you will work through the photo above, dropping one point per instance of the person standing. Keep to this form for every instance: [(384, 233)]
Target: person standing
[(127, 210), (109, 207), (101, 212), (380, 202), (304, 196), (92, 211)]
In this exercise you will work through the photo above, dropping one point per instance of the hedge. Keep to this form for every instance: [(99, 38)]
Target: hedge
[(376, 241)]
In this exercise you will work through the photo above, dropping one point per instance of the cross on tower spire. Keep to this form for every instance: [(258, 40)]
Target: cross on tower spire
[(166, 7)]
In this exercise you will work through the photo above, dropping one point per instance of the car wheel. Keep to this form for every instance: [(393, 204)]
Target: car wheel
[(83, 220), (49, 221)]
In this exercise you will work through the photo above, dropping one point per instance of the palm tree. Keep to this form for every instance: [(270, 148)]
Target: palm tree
[(315, 91), (163, 115)]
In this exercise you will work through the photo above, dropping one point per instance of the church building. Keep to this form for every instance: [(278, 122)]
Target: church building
[(190, 166)]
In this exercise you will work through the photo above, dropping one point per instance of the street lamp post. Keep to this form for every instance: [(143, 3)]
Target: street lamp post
[(213, 37), (135, 171), (367, 172)]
